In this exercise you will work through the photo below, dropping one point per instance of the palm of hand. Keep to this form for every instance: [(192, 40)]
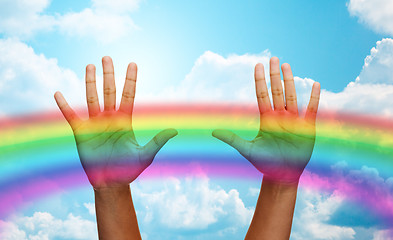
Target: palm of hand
[(108, 150), (283, 146), (285, 141)]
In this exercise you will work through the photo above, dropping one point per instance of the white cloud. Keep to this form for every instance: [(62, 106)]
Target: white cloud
[(348, 194), (372, 91), (383, 235), (33, 78), (360, 98), (215, 78), (191, 203), (105, 21), (254, 192), (28, 80), (24, 17), (377, 14), (366, 187), (311, 221), (10, 231), (378, 66), (44, 226), (91, 208)]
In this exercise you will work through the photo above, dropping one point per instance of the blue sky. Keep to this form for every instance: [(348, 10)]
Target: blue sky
[(200, 51), (315, 37)]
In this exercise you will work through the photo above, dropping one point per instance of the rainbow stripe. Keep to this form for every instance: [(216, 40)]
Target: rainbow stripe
[(38, 154)]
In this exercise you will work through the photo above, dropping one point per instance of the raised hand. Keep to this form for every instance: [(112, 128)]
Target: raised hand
[(108, 150), (285, 141)]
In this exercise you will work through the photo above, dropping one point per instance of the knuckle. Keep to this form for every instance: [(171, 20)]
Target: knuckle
[(232, 139), (155, 139), (92, 100), (109, 91), (260, 79), (63, 106), (315, 97), (291, 98), (262, 95), (312, 109), (131, 80), (90, 81), (277, 92), (127, 95)]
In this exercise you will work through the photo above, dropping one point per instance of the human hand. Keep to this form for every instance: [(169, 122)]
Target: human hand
[(285, 141), (108, 150)]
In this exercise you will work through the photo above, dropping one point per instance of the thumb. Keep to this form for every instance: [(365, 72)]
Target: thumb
[(238, 143), (157, 142)]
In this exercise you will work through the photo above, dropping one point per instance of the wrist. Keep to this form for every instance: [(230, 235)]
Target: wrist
[(278, 191), (288, 179), (111, 188), (280, 184)]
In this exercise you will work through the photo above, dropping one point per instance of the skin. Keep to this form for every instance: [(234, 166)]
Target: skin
[(281, 150), (109, 152)]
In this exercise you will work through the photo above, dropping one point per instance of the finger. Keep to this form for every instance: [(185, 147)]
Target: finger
[(67, 111), (290, 91), (128, 96), (153, 146), (276, 86), (91, 91), (109, 84), (261, 89), (312, 108), (238, 143)]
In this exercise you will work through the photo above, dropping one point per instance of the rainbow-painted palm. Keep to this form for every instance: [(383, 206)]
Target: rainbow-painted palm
[(285, 141), (108, 150)]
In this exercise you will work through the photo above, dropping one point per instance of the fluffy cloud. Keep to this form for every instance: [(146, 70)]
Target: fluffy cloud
[(215, 78), (361, 98), (230, 79), (368, 189), (24, 17), (312, 220), (32, 79), (171, 209), (104, 21), (91, 208), (377, 14), (10, 231), (254, 192), (372, 91), (191, 204), (44, 226), (383, 235), (353, 202), (378, 66)]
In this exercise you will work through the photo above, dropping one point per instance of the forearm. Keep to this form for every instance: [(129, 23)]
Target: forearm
[(116, 217), (274, 211)]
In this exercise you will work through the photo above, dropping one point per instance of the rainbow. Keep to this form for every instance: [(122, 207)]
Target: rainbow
[(38, 155)]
